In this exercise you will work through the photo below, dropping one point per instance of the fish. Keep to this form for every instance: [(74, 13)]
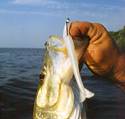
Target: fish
[(59, 93), (54, 98)]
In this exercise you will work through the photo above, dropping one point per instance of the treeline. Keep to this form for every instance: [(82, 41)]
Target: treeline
[(119, 37)]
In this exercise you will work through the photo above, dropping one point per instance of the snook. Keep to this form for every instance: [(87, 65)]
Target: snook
[(57, 95)]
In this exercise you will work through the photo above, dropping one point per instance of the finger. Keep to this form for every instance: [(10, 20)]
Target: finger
[(74, 31)]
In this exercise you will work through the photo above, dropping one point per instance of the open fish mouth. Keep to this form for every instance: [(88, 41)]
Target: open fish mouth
[(54, 99)]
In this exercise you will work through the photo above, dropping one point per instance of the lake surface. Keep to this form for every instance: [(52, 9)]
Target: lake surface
[(19, 77)]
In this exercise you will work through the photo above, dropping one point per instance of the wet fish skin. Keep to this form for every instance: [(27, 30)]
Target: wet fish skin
[(58, 97), (55, 98)]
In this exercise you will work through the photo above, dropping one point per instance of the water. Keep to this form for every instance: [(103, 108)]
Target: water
[(19, 77)]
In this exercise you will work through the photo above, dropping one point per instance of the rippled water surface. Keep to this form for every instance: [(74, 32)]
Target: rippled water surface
[(19, 76)]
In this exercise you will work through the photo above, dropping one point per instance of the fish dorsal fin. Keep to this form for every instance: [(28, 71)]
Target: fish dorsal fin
[(84, 93)]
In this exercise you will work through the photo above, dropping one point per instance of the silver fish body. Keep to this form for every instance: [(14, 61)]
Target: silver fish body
[(55, 98), (58, 95)]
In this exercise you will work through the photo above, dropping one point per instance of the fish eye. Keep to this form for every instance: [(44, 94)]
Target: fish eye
[(45, 44)]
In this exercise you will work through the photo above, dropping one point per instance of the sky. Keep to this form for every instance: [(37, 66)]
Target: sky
[(28, 23)]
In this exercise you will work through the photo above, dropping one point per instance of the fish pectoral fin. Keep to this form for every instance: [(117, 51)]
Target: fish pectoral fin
[(41, 99)]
